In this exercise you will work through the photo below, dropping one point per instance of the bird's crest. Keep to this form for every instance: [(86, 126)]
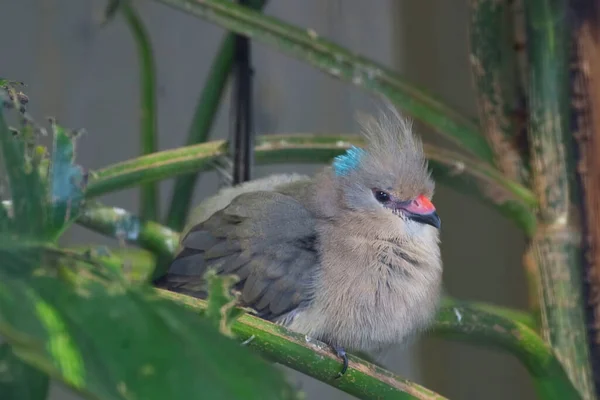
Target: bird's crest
[(348, 161), (391, 150)]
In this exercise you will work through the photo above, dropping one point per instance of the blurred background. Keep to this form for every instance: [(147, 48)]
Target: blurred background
[(86, 75)]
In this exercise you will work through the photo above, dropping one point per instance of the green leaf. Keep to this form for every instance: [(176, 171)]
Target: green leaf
[(136, 264), (340, 63), (113, 341), (19, 380), (81, 322), (67, 181), (26, 188), (221, 304)]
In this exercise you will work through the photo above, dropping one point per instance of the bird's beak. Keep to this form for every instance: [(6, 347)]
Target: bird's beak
[(423, 211), (432, 219)]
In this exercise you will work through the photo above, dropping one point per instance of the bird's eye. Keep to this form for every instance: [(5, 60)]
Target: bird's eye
[(381, 196)]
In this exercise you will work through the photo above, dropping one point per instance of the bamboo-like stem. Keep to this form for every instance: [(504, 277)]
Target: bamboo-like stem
[(493, 67), (149, 203), (342, 64), (585, 103), (556, 245), (495, 73), (458, 171), (313, 358), (365, 380), (202, 121)]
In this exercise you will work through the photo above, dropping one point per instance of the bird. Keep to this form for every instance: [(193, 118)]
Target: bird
[(349, 256)]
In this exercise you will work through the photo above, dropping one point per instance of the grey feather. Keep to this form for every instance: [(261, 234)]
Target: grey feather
[(246, 238)]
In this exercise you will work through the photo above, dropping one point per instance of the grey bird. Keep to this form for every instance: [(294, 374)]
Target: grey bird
[(350, 256)]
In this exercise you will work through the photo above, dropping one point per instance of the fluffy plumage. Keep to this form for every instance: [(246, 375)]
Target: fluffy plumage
[(350, 256)]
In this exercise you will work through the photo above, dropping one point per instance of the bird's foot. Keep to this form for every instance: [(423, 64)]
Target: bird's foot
[(341, 353)]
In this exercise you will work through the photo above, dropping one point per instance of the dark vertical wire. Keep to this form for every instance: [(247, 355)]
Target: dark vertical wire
[(243, 138)]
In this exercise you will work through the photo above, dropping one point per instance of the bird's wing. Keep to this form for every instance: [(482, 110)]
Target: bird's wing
[(266, 238)]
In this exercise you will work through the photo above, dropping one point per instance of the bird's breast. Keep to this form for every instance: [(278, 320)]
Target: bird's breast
[(369, 297)]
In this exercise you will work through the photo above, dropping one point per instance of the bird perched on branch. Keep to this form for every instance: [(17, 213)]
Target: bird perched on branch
[(349, 257)]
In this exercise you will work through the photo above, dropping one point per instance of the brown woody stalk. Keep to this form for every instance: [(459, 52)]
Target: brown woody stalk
[(585, 106), (556, 244)]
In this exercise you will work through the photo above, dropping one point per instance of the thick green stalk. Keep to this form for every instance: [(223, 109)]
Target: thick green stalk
[(458, 171), (149, 204), (202, 121), (585, 103), (313, 358), (365, 380), (556, 245), (340, 63), (495, 72)]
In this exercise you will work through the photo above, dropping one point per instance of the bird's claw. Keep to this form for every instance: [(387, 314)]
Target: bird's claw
[(340, 352)]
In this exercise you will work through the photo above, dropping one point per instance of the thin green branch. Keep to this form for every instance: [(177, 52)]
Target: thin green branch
[(204, 115), (556, 245), (467, 324), (118, 223), (340, 63), (521, 317), (458, 171), (313, 358), (149, 203), (368, 381)]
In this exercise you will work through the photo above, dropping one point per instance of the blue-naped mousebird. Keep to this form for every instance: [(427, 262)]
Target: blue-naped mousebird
[(350, 256)]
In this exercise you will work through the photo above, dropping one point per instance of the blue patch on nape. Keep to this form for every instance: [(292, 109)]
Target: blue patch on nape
[(345, 163)]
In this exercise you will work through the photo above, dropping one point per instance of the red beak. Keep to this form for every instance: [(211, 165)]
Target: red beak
[(422, 210)]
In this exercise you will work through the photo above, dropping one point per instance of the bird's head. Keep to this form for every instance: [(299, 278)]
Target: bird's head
[(387, 182)]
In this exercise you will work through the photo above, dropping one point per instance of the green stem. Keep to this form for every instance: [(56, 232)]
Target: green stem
[(313, 358), (149, 205), (556, 245), (474, 326), (202, 121), (504, 312), (493, 65), (458, 171), (118, 223), (368, 381), (495, 71), (342, 64)]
